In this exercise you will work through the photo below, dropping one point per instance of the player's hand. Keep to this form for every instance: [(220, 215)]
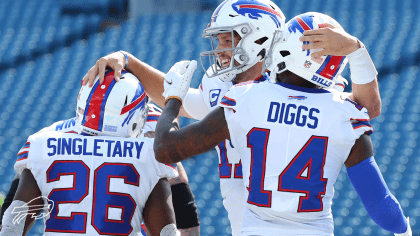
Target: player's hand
[(115, 61), (177, 81), (408, 232), (331, 40)]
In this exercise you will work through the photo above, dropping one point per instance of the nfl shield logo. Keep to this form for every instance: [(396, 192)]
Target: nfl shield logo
[(307, 64)]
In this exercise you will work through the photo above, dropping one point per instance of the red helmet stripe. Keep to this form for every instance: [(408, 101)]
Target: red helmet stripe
[(261, 8), (93, 112), (332, 67), (303, 24)]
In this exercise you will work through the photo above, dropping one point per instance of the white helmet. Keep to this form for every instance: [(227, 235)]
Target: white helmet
[(255, 21), (112, 108), (286, 53)]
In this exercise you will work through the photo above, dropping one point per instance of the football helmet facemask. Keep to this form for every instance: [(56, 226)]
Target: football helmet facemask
[(254, 21)]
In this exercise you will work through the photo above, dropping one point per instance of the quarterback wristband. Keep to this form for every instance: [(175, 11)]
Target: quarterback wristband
[(126, 58), (362, 69)]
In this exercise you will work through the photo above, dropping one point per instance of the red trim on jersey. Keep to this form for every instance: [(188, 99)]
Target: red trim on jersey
[(71, 132), (173, 167), (23, 152), (308, 165)]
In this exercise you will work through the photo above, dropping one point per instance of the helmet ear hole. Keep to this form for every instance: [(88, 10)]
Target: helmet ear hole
[(134, 126), (125, 103), (284, 53), (281, 66), (261, 41), (262, 53)]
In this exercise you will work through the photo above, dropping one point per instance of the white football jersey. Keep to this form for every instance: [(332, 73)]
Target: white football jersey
[(230, 168), (99, 185), (293, 142)]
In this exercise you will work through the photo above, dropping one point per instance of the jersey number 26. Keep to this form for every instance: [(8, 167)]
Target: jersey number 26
[(103, 199)]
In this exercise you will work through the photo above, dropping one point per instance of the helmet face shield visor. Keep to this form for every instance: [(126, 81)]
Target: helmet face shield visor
[(239, 55)]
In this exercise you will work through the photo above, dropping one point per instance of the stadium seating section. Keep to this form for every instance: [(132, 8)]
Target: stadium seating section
[(44, 55)]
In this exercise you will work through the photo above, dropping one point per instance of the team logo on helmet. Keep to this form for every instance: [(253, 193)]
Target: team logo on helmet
[(254, 9), (302, 23), (137, 102)]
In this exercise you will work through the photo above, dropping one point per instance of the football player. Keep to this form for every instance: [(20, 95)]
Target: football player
[(182, 196), (111, 178), (241, 32), (293, 136)]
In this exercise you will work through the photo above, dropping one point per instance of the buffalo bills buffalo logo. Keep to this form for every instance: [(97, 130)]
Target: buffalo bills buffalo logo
[(301, 23), (254, 9)]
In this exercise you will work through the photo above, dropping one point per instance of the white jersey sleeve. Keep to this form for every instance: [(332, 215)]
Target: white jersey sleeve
[(212, 90), (230, 103), (22, 157), (162, 170), (359, 117), (195, 105)]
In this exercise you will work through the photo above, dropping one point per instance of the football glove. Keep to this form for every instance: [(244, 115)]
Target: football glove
[(177, 81)]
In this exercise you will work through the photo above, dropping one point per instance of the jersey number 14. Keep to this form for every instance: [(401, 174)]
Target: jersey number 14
[(304, 174)]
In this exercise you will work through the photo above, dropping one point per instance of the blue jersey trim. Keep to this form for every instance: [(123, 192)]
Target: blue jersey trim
[(302, 89)]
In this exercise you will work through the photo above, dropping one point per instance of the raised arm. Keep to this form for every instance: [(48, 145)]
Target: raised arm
[(158, 214), (334, 40), (374, 194), (149, 77), (173, 144)]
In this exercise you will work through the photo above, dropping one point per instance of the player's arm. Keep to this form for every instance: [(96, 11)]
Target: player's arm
[(379, 202), (186, 214), (10, 195), (27, 191), (172, 144), (149, 77), (335, 41), (158, 214), (183, 201)]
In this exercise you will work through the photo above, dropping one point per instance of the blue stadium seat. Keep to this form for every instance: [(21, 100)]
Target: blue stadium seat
[(51, 52)]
